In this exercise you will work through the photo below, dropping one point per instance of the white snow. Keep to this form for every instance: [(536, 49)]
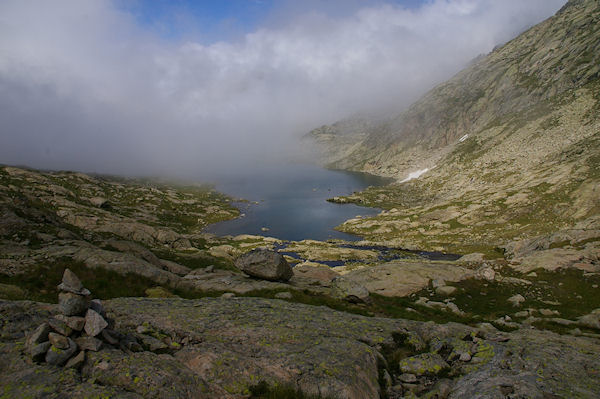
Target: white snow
[(415, 175), (463, 138)]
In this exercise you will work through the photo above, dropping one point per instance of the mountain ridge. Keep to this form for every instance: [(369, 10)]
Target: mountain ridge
[(509, 146), (519, 74)]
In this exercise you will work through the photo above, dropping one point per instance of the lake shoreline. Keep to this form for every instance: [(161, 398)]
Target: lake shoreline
[(290, 202)]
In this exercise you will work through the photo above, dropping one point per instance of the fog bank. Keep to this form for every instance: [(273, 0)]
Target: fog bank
[(85, 86)]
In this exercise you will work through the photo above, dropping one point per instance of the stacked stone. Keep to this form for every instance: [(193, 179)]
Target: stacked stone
[(64, 339)]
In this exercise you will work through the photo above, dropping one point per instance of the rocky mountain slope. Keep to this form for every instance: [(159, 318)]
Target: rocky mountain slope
[(508, 149), (560, 55)]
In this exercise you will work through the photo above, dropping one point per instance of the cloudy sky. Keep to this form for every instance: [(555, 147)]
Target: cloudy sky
[(136, 86)]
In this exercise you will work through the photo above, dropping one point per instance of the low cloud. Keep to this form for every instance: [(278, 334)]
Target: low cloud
[(84, 86)]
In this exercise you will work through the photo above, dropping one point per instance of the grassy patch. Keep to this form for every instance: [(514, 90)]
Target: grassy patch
[(468, 150), (550, 123), (405, 308), (41, 283), (11, 292), (197, 260), (569, 292), (184, 208)]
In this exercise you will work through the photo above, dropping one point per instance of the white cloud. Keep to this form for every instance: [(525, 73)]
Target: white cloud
[(83, 86)]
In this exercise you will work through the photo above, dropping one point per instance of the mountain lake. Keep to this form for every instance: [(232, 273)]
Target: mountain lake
[(289, 202)]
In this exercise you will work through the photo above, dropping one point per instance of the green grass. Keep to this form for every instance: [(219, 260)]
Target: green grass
[(468, 150), (571, 289), (480, 300), (380, 306), (195, 260), (398, 308), (41, 283)]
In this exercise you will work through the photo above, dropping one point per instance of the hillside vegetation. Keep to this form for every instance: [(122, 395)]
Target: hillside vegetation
[(512, 144)]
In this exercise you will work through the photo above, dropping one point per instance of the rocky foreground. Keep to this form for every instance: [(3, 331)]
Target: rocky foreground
[(222, 348)]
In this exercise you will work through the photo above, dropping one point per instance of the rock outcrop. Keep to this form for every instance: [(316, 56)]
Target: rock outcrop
[(219, 348), (401, 278), (265, 264)]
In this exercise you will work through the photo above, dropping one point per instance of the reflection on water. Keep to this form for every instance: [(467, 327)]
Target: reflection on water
[(290, 201)]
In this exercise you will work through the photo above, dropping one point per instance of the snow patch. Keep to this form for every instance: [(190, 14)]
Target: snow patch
[(463, 138), (415, 175)]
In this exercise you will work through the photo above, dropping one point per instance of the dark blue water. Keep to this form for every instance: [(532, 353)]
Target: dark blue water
[(292, 201)]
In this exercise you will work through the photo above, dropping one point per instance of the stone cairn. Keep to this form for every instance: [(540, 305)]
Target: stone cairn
[(81, 326)]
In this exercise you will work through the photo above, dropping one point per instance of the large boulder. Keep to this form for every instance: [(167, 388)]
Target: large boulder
[(265, 264)]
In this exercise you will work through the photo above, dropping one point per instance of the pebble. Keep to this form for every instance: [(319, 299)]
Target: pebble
[(74, 322), (94, 323), (408, 378), (60, 326), (39, 335), (103, 365), (445, 290), (142, 329), (38, 352), (59, 341), (71, 281), (516, 300), (58, 357), (96, 305), (89, 343), (77, 361), (108, 337)]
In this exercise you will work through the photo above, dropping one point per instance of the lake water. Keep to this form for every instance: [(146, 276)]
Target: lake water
[(292, 201)]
